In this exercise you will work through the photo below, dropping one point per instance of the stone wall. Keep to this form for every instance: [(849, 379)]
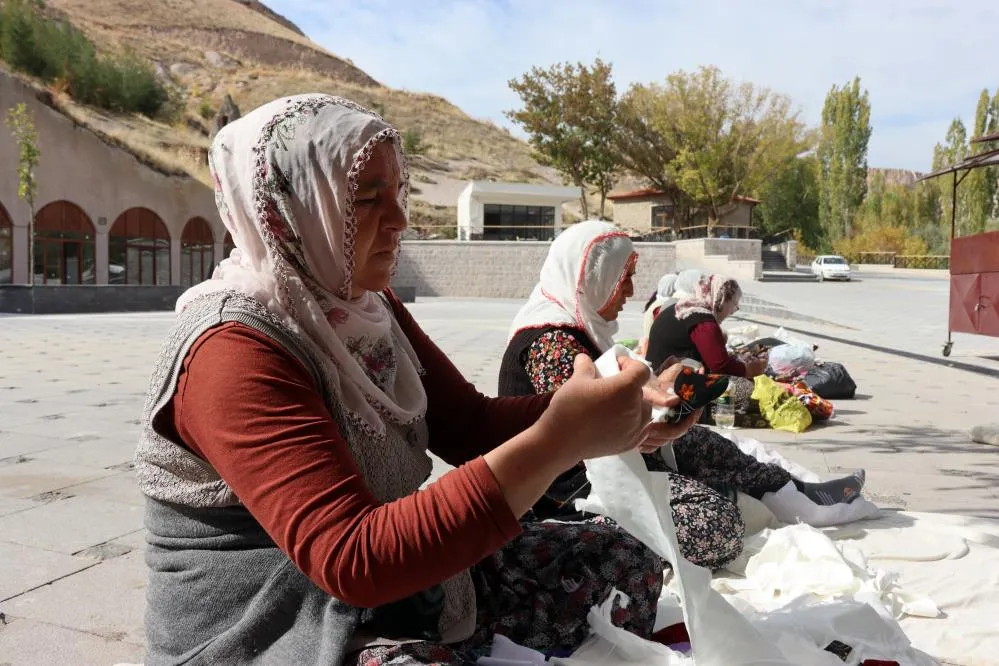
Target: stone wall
[(741, 259), (498, 269)]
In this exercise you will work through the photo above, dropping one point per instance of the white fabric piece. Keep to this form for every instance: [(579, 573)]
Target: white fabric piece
[(611, 645), (799, 560), (808, 627), (585, 266), (953, 560), (507, 653), (622, 489)]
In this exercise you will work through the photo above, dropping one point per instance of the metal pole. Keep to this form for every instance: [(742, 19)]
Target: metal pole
[(953, 206)]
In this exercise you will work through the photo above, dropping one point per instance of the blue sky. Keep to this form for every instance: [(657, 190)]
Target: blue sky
[(923, 61)]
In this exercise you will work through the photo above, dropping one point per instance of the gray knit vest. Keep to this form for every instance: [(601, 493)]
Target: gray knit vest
[(220, 591)]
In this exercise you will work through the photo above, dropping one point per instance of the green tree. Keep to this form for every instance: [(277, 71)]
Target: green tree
[(711, 139), (22, 127), (791, 203), (980, 183), (843, 138), (954, 149), (569, 113)]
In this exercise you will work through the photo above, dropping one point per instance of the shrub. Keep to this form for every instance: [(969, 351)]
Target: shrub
[(205, 110), (412, 142), (55, 51)]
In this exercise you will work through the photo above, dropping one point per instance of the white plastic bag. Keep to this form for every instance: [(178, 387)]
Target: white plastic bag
[(788, 339), (791, 360)]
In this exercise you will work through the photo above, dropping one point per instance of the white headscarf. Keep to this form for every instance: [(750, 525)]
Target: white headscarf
[(686, 284), (710, 296), (585, 268), (664, 289), (285, 177)]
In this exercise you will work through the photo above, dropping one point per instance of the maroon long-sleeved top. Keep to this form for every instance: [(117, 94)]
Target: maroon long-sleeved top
[(247, 406)]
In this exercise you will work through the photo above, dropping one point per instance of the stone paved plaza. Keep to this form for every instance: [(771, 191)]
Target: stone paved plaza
[(71, 389)]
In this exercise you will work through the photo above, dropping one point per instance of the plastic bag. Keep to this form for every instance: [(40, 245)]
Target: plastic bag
[(781, 409), (787, 338), (831, 381), (791, 360), (742, 335)]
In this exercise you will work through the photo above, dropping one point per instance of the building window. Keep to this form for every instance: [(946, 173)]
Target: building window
[(511, 222), (663, 216), (139, 249), (197, 252), (6, 247), (64, 245)]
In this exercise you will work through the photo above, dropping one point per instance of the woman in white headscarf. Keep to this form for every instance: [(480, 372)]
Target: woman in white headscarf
[(585, 281), (671, 287), (286, 432)]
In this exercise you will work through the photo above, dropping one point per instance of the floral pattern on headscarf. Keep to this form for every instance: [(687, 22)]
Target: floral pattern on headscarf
[(709, 297)]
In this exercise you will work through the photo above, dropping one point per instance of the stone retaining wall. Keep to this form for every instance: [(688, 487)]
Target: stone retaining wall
[(502, 269)]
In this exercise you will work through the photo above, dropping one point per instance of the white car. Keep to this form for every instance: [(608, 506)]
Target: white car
[(831, 267)]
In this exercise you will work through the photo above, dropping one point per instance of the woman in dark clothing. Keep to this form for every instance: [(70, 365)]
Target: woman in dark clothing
[(692, 329), (585, 282)]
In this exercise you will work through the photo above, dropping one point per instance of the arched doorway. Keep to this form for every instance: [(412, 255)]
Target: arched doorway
[(227, 246), (64, 245), (139, 249), (6, 247), (197, 252)]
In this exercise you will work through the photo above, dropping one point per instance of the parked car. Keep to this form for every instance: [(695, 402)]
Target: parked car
[(831, 267)]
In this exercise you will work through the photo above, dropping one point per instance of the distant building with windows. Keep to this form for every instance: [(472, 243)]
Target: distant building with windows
[(511, 211), (651, 212)]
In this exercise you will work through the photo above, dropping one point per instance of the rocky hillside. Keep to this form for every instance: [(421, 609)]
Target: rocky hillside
[(205, 49), (903, 177)]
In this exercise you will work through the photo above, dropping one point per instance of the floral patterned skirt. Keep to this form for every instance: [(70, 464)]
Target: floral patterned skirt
[(538, 589)]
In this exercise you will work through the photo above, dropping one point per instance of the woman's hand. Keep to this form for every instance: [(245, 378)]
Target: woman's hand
[(657, 435), (590, 417), (756, 367)]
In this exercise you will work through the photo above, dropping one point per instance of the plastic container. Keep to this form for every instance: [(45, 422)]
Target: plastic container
[(723, 411)]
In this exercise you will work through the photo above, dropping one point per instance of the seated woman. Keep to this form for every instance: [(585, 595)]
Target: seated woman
[(671, 288), (691, 328), (286, 433), (585, 281)]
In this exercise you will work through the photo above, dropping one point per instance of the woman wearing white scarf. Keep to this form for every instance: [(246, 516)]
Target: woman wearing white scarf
[(671, 288), (587, 272), (285, 438), (584, 283)]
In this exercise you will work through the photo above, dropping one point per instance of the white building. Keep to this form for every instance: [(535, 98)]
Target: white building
[(511, 211)]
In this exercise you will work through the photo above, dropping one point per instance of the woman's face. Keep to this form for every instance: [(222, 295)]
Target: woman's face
[(729, 308), (380, 220), (620, 297)]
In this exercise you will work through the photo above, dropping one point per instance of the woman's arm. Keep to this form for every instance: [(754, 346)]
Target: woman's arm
[(250, 409), (463, 422), (710, 342), (550, 359)]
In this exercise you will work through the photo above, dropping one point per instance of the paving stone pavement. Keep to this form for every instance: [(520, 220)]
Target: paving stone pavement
[(71, 391)]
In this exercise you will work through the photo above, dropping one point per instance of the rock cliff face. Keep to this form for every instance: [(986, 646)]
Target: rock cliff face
[(896, 176)]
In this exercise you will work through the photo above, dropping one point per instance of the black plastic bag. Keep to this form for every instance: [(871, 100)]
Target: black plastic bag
[(831, 381)]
